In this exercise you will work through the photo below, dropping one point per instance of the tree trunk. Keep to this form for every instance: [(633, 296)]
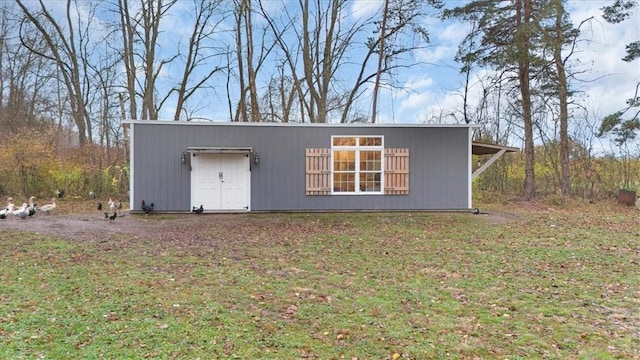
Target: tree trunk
[(307, 61), (151, 23), (241, 112), (128, 56), (381, 54), (523, 17), (565, 186), (251, 73)]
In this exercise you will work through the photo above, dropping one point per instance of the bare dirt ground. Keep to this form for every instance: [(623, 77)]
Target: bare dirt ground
[(95, 227), (79, 220)]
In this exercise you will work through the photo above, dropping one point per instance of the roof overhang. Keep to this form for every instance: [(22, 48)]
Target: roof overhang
[(478, 148), (218, 150)]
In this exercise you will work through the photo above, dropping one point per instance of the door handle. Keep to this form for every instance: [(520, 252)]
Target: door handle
[(221, 176)]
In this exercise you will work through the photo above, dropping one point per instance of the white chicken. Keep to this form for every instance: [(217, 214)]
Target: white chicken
[(8, 209), (49, 207), (22, 212), (112, 206), (10, 205)]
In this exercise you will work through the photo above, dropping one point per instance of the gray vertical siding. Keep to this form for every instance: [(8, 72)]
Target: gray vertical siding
[(439, 164)]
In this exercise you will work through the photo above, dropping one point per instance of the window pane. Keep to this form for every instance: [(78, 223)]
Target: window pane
[(344, 141), (371, 141), (344, 182), (344, 160), (370, 182), (370, 160)]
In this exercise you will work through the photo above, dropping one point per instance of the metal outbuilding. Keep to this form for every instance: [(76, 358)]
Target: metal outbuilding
[(239, 167)]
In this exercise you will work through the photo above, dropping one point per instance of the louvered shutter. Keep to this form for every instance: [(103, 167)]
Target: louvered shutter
[(396, 171), (318, 171)]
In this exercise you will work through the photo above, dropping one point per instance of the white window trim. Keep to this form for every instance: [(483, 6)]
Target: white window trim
[(357, 148)]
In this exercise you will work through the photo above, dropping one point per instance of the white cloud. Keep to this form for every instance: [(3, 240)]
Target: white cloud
[(361, 9), (416, 101), (435, 54), (452, 34), (610, 80), (417, 83)]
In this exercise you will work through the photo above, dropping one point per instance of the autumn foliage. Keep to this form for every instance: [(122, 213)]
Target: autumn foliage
[(38, 162), (592, 177)]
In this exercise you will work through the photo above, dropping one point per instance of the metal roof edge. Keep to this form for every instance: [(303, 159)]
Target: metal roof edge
[(219, 149), (496, 146), (292, 124)]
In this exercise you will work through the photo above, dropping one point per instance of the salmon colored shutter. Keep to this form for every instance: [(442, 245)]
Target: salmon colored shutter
[(318, 171), (396, 171)]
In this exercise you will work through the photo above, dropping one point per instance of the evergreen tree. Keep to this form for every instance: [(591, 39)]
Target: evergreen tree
[(624, 124), (508, 42)]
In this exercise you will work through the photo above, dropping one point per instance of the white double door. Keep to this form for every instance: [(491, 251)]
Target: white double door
[(220, 181)]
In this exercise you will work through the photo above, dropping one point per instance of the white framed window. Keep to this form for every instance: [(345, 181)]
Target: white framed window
[(357, 164)]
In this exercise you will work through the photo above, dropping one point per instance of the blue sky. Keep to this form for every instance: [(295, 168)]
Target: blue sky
[(434, 86), (607, 81)]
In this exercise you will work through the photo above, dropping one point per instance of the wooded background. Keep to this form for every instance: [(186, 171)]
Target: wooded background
[(71, 71)]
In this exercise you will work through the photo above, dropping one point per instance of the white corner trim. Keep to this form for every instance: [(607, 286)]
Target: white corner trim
[(470, 167), (131, 166)]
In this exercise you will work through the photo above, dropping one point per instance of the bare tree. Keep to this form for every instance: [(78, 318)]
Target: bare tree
[(381, 54), (140, 34), (128, 31), (318, 54), (200, 53), (290, 86), (62, 49), (280, 97), (559, 37), (583, 152), (253, 49), (251, 72), (400, 32), (107, 104), (24, 77), (398, 17), (328, 48), (242, 7)]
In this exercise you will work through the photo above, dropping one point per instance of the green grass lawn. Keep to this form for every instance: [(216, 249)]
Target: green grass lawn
[(541, 283)]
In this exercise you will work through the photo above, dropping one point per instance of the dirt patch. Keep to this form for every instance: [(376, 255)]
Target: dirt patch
[(79, 221), (84, 227), (189, 230), (500, 217)]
